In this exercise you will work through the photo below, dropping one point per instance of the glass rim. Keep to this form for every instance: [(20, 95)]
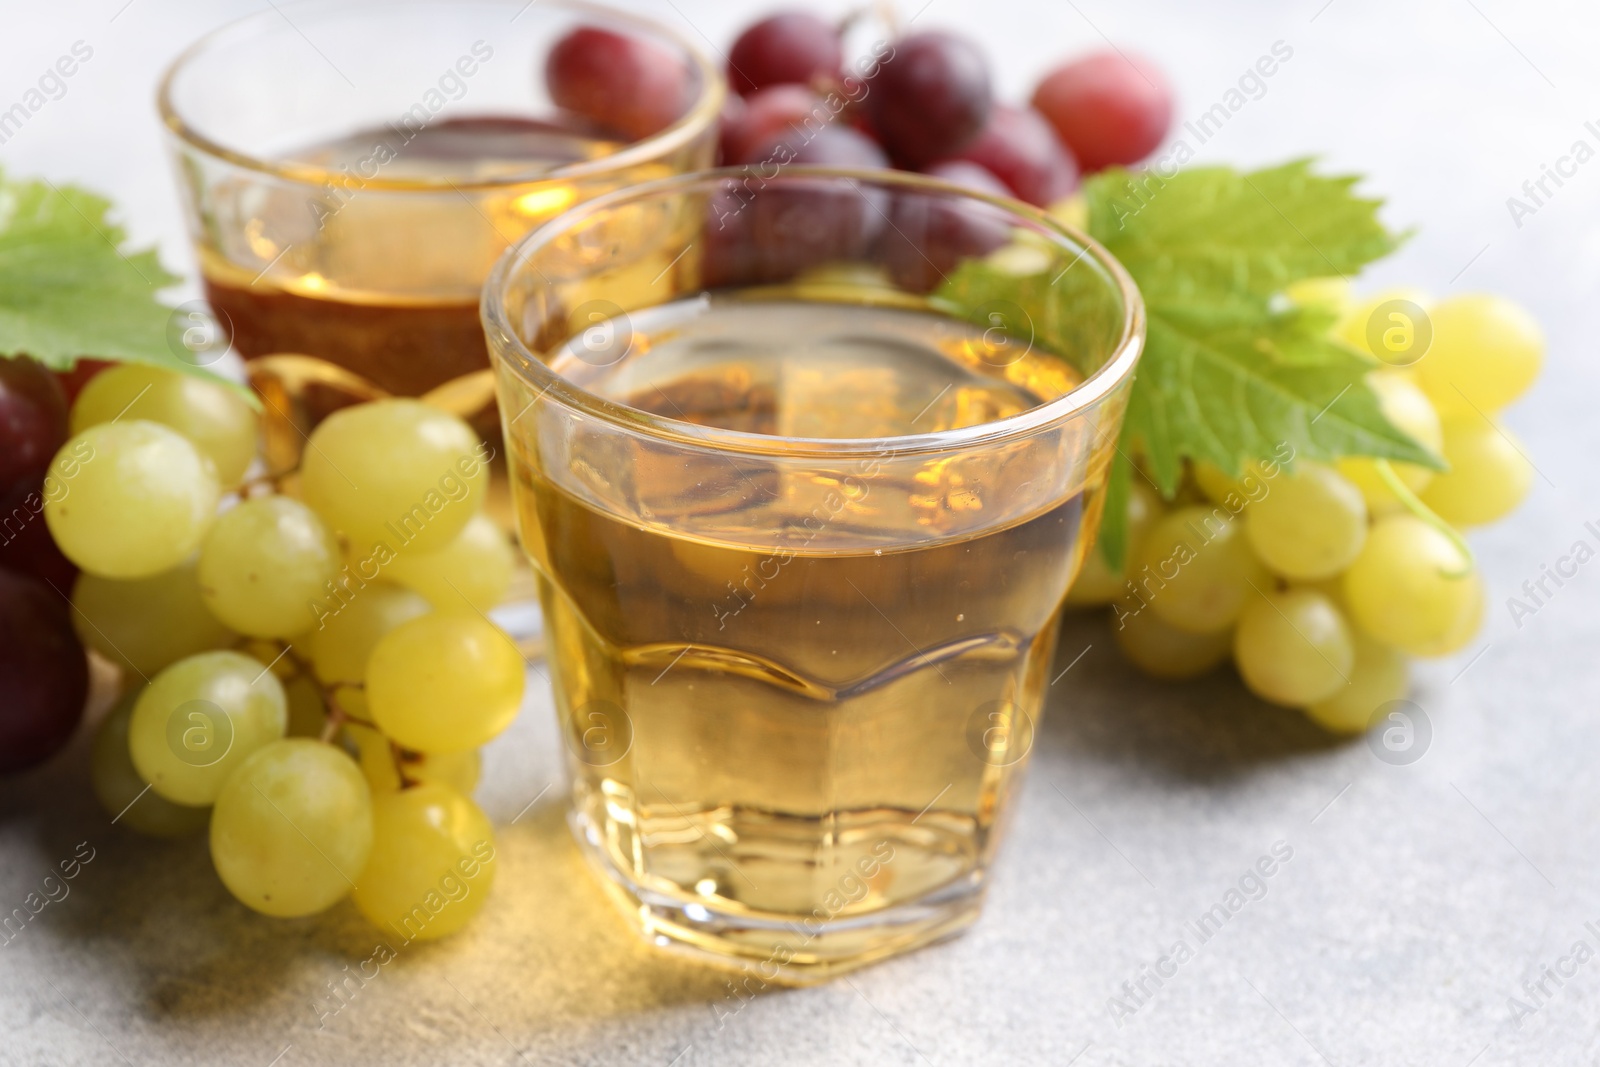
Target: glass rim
[(701, 115), (1087, 394)]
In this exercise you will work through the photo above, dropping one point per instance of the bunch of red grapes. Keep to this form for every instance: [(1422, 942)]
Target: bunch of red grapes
[(921, 102), (44, 675), (924, 102)]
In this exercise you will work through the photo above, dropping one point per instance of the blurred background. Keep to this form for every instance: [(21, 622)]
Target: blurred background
[(1419, 899)]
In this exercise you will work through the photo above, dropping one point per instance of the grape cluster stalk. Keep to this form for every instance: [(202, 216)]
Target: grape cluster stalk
[(924, 102)]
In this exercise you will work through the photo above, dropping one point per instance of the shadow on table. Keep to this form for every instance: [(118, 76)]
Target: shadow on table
[(1206, 730), (185, 953), (155, 921)]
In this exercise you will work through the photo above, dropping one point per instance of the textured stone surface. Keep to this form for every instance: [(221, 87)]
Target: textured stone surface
[(1418, 899)]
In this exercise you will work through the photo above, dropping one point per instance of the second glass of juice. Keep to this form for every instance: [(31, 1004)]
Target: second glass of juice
[(805, 464), (353, 169)]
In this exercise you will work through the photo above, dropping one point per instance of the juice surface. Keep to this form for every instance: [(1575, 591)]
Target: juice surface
[(386, 283)]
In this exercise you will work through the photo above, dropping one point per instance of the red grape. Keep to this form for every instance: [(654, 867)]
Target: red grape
[(789, 48), (1021, 148), (44, 675), (26, 546), (929, 98), (727, 253), (782, 108), (732, 113), (931, 233), (1109, 110), (796, 223), (626, 84), (969, 175), (33, 420), (81, 374), (837, 146)]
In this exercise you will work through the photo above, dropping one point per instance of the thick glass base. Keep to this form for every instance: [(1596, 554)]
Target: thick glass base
[(768, 948)]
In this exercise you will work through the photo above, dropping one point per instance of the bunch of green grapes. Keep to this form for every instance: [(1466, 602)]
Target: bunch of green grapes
[(1320, 580), (311, 672)]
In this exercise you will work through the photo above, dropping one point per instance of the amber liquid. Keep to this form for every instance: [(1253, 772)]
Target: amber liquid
[(801, 719), (385, 283)]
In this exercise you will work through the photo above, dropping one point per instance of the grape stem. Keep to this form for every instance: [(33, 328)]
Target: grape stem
[(271, 483), (331, 726), (337, 715), (883, 10), (398, 755), (1413, 504)]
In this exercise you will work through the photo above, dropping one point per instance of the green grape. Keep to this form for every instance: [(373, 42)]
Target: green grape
[(1355, 327), (1237, 494), (147, 623), (395, 472), (351, 702), (1197, 571), (1096, 582), (1293, 647), (1331, 293), (432, 863), (130, 801), (1310, 524), (472, 571), (458, 770), (1215, 485), (1071, 211), (201, 718), (265, 563), (292, 828), (307, 712), (1486, 352), (1021, 259), (444, 682), (1407, 588), (375, 756), (1165, 651), (1488, 476), (129, 499), (1465, 629), (214, 418), (1332, 588), (1377, 677), (340, 646), (1410, 410), (270, 652)]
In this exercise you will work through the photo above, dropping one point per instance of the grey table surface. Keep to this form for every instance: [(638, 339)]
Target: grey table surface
[(1418, 900)]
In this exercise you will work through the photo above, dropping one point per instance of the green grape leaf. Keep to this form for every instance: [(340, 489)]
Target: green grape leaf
[(1211, 232), (1113, 539), (67, 288), (1228, 389), (1231, 372)]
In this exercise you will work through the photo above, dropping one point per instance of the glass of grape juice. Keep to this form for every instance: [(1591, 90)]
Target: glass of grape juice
[(805, 465), (352, 169)]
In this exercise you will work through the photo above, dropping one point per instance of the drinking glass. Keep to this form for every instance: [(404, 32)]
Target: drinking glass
[(352, 170), (805, 463)]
